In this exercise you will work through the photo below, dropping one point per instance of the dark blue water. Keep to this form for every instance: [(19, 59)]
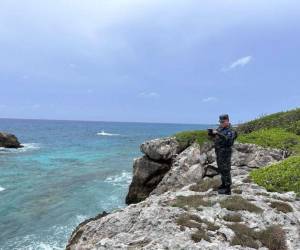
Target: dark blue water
[(65, 174)]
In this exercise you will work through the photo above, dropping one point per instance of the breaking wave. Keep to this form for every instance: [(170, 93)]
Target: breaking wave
[(26, 147)]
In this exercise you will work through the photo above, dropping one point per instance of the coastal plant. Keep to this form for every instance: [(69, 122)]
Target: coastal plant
[(191, 201), (232, 217), (276, 120), (244, 236), (186, 138), (235, 203), (205, 184), (280, 177), (194, 221), (273, 138), (282, 206), (273, 237)]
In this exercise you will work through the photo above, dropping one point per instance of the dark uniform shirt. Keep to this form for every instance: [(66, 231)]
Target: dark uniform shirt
[(224, 138)]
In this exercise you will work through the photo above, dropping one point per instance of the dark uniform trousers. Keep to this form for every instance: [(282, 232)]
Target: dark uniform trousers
[(223, 156)]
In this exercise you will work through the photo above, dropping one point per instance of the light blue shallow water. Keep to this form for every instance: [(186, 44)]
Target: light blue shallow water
[(65, 174)]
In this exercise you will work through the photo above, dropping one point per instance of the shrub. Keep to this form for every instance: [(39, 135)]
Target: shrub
[(235, 203), (273, 138), (280, 177), (294, 127), (186, 138), (280, 119), (281, 206)]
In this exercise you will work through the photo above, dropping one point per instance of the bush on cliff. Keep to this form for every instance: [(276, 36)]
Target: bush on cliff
[(277, 120), (273, 138), (186, 138), (280, 177)]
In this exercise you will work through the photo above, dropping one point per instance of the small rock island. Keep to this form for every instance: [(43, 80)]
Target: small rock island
[(9, 141)]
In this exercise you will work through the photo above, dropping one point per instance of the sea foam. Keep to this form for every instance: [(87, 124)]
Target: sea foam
[(2, 189), (26, 147), (122, 179)]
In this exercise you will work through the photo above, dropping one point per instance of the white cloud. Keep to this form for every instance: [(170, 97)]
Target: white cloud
[(210, 99), (149, 95), (241, 62)]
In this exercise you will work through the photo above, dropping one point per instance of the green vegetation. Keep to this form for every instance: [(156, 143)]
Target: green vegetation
[(273, 237), (233, 217), (205, 184), (277, 120), (191, 201), (282, 206), (186, 138), (235, 203), (280, 177), (273, 138)]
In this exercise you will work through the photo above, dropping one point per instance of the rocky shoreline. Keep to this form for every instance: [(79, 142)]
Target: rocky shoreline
[(173, 204)]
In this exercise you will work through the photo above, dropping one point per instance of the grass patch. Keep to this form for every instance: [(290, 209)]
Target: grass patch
[(235, 203), (281, 206), (199, 235), (280, 177), (206, 184), (273, 138), (194, 201), (244, 236), (280, 119), (273, 237), (233, 217), (194, 221), (186, 138)]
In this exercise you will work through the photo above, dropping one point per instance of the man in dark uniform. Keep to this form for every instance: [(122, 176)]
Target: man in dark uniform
[(224, 137)]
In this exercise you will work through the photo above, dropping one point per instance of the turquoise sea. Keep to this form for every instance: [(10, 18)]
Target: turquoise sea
[(67, 171)]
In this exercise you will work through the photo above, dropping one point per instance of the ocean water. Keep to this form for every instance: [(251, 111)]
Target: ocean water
[(67, 171)]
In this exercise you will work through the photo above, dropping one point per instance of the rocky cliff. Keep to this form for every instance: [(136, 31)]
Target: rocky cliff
[(174, 205)]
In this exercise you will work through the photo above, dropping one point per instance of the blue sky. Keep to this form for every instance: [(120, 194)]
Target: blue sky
[(150, 61)]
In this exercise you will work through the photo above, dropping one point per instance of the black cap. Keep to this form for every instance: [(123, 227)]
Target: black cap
[(223, 117)]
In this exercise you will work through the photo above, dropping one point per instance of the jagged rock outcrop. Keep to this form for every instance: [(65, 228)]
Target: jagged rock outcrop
[(161, 149), (9, 141), (185, 212), (149, 169), (146, 176), (197, 162)]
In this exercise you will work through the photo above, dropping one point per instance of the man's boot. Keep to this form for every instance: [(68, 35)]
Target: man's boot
[(225, 190)]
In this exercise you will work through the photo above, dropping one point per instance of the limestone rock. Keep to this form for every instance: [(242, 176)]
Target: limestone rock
[(146, 175), (9, 141), (161, 149)]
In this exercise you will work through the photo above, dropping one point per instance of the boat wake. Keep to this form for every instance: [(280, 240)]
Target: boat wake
[(106, 134)]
